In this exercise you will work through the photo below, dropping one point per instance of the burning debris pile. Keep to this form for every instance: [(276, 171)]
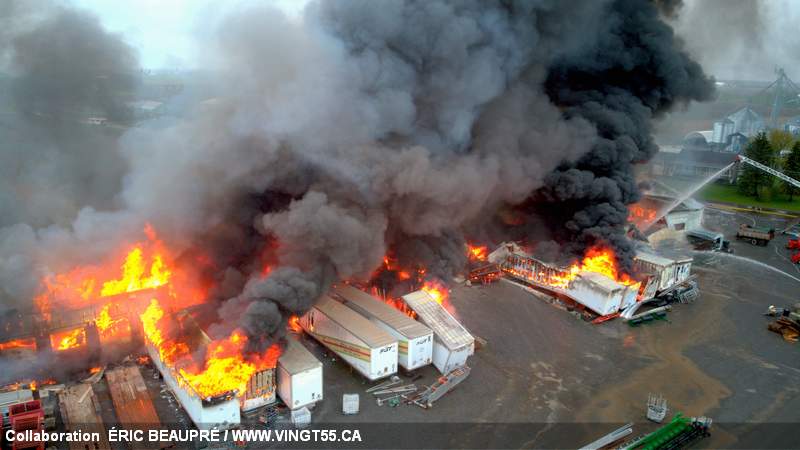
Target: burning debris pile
[(367, 129)]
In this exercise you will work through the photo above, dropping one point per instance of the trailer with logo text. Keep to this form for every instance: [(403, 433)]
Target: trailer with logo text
[(368, 349), (414, 339)]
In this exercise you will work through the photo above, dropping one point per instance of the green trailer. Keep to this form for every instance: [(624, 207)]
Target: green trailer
[(678, 433)]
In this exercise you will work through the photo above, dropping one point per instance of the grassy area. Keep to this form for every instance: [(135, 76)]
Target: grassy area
[(727, 193)]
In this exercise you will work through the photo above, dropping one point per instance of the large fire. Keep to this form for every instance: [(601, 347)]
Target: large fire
[(69, 339), (102, 289), (136, 276), (226, 368), (477, 253), (638, 213), (18, 344), (600, 260)]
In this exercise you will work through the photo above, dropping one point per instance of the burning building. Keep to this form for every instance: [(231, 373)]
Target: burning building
[(212, 392), (596, 282), (475, 118)]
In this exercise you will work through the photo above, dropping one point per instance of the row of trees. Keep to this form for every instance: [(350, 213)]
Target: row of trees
[(768, 150)]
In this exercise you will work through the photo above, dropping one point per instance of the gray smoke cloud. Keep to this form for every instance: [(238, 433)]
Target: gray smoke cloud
[(371, 126), (741, 39), (57, 172)]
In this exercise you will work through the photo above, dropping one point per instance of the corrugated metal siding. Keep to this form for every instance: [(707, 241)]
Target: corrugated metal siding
[(379, 310), (354, 322), (446, 327)]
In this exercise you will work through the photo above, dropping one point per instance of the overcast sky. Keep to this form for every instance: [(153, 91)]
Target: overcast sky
[(165, 33), (733, 39)]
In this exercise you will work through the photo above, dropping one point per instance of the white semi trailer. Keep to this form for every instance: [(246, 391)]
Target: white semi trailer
[(299, 376), (415, 340), (452, 343), (368, 349)]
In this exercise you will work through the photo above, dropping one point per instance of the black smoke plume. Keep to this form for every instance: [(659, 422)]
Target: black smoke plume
[(384, 126)]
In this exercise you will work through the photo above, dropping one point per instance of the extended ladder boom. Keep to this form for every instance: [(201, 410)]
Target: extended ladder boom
[(769, 170)]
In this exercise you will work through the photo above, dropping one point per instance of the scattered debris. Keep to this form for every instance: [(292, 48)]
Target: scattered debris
[(397, 390), (610, 438), (442, 386), (390, 382), (788, 322), (97, 375), (485, 274), (647, 316), (656, 408)]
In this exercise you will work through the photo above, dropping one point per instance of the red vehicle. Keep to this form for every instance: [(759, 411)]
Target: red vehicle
[(793, 244), (796, 258)]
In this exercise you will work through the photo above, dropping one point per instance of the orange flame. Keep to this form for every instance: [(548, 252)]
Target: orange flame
[(141, 268), (28, 344), (135, 274), (69, 339), (600, 260), (227, 368), (294, 324), (477, 253), (639, 213), (437, 290)]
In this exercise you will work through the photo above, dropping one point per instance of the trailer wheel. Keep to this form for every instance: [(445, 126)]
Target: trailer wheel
[(753, 242)]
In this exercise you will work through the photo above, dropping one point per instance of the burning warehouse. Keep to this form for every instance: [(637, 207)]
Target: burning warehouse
[(214, 394), (597, 282), (452, 119)]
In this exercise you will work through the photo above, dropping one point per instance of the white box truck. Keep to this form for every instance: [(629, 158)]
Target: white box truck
[(299, 376), (367, 348), (452, 343), (414, 340)]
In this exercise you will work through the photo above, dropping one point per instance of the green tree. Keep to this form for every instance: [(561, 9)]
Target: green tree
[(791, 167), (780, 140), (751, 181)]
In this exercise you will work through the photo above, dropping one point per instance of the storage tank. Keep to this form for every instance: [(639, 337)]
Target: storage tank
[(722, 130), (367, 348), (415, 340)]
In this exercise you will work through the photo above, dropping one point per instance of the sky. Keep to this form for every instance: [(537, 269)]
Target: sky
[(165, 32), (732, 39)]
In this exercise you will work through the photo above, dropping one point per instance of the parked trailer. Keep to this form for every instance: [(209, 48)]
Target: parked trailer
[(260, 390), (367, 348), (452, 343), (755, 235), (415, 340), (299, 376)]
